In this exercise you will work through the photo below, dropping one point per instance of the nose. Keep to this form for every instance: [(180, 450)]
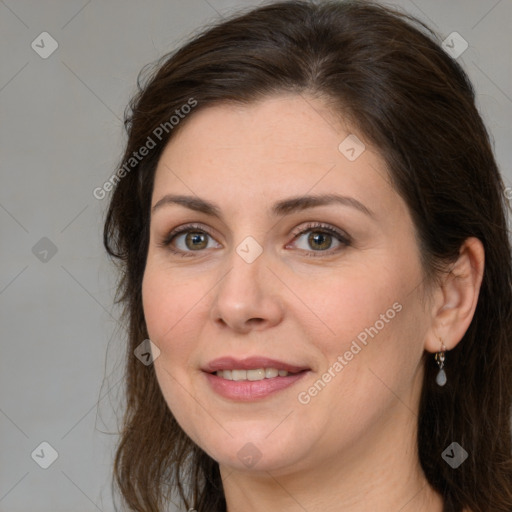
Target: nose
[(247, 297)]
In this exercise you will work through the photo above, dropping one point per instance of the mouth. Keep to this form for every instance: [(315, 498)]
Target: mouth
[(252, 368), (253, 375), (251, 378)]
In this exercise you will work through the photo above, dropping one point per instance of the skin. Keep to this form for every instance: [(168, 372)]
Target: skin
[(352, 447)]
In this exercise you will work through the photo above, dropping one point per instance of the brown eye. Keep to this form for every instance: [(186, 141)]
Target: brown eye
[(195, 240), (319, 240), (189, 239)]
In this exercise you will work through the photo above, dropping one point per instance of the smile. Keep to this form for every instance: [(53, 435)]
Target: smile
[(251, 378), (252, 375)]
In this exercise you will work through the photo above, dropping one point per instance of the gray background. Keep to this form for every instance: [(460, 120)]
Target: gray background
[(60, 137)]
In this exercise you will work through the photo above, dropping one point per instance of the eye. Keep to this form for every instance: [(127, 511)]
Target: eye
[(312, 238), (189, 239), (319, 238)]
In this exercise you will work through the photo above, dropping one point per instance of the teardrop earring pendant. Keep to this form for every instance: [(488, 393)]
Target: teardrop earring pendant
[(441, 374)]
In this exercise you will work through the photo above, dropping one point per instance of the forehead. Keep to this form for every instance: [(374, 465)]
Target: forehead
[(272, 126), (286, 144)]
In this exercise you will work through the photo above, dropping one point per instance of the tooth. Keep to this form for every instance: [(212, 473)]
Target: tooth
[(239, 374), (258, 374), (251, 375)]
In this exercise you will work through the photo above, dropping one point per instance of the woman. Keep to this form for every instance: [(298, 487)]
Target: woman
[(311, 227)]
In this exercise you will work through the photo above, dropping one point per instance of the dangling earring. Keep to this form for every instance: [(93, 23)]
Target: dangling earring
[(440, 357)]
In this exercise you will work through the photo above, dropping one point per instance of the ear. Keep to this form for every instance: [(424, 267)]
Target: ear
[(456, 297)]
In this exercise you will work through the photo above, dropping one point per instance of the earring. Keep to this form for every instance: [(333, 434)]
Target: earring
[(440, 357)]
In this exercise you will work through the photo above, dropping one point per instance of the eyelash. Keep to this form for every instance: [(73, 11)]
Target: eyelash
[(342, 237)]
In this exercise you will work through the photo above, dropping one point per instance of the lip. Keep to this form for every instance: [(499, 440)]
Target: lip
[(250, 363), (249, 391)]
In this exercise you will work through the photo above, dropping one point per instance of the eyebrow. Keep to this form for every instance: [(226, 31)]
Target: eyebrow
[(280, 208)]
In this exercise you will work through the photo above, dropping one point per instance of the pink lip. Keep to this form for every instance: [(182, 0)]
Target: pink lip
[(247, 391), (250, 363)]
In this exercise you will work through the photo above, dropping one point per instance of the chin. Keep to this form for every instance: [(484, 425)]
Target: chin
[(244, 453)]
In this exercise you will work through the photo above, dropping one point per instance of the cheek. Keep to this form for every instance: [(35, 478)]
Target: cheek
[(353, 302), (170, 310), (168, 305), (373, 318)]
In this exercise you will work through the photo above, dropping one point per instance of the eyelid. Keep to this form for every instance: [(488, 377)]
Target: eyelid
[(312, 226), (184, 228), (189, 227), (344, 239)]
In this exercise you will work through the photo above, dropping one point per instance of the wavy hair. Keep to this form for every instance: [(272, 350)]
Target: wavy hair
[(385, 72)]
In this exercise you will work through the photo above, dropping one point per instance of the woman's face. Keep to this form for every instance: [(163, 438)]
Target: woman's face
[(289, 251)]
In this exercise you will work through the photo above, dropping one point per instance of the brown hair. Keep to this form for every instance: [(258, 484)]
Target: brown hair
[(397, 86)]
